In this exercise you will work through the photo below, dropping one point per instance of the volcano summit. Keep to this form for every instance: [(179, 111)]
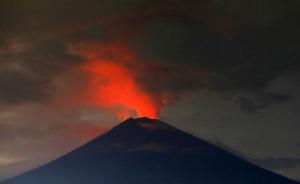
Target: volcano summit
[(148, 151)]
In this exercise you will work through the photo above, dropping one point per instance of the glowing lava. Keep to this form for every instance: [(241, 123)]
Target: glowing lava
[(112, 84)]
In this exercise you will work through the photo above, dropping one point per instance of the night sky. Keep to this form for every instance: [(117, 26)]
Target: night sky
[(226, 71)]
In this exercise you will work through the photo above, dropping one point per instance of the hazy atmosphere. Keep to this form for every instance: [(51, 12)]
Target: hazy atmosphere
[(226, 71)]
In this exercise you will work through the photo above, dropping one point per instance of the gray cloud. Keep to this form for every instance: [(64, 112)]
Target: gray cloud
[(28, 68), (17, 88), (272, 163), (231, 49), (276, 163), (253, 103), (224, 38), (243, 60)]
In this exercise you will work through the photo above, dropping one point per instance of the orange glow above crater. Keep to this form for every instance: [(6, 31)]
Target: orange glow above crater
[(112, 84)]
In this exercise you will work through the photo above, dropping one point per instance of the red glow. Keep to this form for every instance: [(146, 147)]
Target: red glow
[(112, 84)]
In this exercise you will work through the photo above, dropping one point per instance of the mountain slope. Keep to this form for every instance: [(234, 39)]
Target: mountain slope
[(146, 151)]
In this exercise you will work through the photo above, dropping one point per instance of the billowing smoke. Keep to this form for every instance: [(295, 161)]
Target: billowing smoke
[(112, 82)]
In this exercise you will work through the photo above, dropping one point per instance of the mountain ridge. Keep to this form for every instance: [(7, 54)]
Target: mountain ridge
[(148, 151)]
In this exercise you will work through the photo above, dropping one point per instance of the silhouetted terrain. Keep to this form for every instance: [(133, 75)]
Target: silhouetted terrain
[(147, 151)]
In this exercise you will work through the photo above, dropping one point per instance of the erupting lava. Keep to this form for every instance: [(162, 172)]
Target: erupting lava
[(112, 84)]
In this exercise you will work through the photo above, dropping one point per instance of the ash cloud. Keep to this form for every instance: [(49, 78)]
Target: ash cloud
[(239, 47), (27, 68), (18, 88), (234, 48), (246, 58)]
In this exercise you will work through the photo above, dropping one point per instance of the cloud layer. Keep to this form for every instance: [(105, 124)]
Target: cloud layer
[(243, 54)]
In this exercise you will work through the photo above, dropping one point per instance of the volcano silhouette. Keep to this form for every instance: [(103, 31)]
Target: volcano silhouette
[(147, 151)]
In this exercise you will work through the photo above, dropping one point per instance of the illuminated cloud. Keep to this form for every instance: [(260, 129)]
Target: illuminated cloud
[(56, 65)]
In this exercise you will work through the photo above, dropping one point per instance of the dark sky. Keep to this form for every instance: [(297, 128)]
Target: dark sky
[(224, 70)]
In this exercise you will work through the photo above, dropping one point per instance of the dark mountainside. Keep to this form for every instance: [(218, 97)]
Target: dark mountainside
[(147, 151)]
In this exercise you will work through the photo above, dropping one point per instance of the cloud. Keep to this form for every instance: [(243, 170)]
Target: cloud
[(14, 169), (221, 40), (228, 48), (276, 163), (244, 63), (272, 163), (18, 88), (7, 160), (259, 13), (28, 67), (253, 103), (31, 133)]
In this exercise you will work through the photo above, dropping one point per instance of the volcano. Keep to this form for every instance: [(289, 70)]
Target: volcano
[(149, 151)]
